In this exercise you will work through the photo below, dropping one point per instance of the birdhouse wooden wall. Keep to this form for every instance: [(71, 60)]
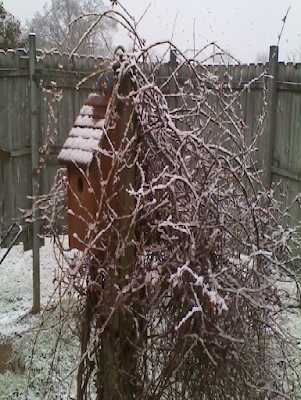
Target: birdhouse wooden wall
[(86, 199), (82, 206)]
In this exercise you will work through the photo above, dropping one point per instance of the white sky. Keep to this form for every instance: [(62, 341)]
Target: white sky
[(243, 27)]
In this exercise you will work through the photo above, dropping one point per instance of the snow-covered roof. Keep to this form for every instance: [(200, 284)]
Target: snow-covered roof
[(85, 136)]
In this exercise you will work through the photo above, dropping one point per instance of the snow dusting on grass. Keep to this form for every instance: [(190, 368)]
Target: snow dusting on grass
[(16, 293), (39, 362), (40, 365)]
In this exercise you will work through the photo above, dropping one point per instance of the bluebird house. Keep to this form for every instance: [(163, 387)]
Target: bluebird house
[(87, 153), (82, 173)]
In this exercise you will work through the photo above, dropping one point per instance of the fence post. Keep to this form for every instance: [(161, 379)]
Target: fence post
[(172, 84), (269, 132), (34, 171)]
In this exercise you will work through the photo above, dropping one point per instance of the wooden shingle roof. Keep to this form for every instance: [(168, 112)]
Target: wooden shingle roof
[(85, 136)]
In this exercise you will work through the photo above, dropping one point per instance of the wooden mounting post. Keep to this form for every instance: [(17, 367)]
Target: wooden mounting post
[(114, 339), (269, 132), (34, 171)]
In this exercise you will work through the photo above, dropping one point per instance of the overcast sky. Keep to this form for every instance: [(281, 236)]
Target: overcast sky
[(243, 27)]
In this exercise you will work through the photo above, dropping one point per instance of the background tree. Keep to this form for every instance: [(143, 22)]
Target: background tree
[(10, 31), (62, 25), (262, 57), (295, 56)]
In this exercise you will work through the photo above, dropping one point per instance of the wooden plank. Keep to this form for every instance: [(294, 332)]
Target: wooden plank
[(239, 73), (269, 133), (258, 110), (287, 174), (289, 86), (24, 111), (172, 84), (289, 72), (248, 106), (10, 116), (281, 176), (22, 152), (2, 210), (294, 162), (25, 227), (297, 77), (4, 167), (279, 118), (294, 133), (236, 85), (23, 135), (13, 73)]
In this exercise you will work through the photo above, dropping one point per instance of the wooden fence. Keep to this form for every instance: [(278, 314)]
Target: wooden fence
[(39, 101), (279, 93), (35, 119), (32, 116)]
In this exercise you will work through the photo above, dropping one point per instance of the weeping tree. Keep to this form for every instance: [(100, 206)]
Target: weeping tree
[(10, 31), (179, 291), (63, 24)]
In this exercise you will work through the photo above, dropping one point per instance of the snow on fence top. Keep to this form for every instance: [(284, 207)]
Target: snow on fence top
[(19, 59)]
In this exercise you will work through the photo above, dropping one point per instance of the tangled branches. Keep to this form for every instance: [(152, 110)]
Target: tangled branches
[(183, 299), (179, 283)]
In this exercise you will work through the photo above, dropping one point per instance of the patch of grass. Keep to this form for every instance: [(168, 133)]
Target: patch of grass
[(42, 360)]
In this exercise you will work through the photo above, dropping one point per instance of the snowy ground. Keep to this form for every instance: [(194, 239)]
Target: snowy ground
[(16, 318), (16, 294), (16, 297)]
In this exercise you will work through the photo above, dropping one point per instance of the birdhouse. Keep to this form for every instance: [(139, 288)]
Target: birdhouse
[(87, 153), (82, 172)]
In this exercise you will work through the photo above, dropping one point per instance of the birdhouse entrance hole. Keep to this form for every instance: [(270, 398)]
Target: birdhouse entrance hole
[(80, 184)]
